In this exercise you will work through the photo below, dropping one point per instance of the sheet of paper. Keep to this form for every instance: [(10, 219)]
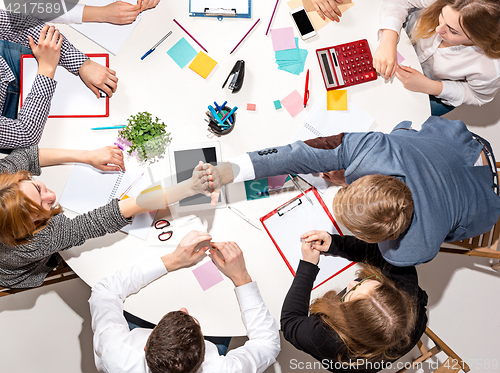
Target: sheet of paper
[(286, 229), (203, 65), (182, 52), (198, 6), (282, 38), (110, 37), (336, 99), (71, 97), (293, 103), (253, 187), (276, 182), (323, 122), (207, 275), (291, 60)]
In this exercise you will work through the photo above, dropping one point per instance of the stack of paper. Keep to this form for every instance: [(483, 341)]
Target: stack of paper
[(291, 60)]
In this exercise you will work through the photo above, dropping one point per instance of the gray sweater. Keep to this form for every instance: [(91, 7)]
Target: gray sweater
[(25, 266)]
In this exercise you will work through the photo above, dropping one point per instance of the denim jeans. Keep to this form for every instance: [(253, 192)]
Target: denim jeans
[(222, 343), (438, 108)]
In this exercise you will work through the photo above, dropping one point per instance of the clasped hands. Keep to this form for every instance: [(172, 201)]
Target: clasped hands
[(313, 244)]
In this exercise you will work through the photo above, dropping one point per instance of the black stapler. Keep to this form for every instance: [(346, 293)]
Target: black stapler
[(238, 73)]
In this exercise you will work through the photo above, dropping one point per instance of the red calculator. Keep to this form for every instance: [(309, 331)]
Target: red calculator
[(346, 64)]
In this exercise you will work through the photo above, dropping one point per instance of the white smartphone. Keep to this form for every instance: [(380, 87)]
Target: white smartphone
[(303, 23)]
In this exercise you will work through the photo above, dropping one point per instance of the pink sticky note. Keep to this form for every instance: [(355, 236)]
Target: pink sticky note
[(251, 107), (400, 57), (293, 103), (283, 38), (207, 275), (276, 182)]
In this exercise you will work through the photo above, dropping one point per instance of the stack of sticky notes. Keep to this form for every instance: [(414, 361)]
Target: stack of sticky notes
[(182, 52), (289, 56)]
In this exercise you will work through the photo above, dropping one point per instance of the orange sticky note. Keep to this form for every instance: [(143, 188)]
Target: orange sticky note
[(203, 65), (336, 99)]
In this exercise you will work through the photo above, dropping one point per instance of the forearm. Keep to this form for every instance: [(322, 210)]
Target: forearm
[(51, 157), (93, 14), (389, 38), (434, 87)]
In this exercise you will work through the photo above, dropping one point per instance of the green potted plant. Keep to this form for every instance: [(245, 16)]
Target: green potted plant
[(147, 137)]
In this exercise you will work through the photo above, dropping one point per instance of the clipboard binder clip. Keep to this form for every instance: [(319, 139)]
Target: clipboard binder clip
[(290, 205), (220, 13)]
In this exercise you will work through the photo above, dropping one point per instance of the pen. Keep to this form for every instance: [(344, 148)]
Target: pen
[(131, 186), (229, 114), (119, 146), (251, 28), (109, 128), (272, 16), (154, 47), (274, 191), (237, 212), (306, 91), (300, 188), (191, 36)]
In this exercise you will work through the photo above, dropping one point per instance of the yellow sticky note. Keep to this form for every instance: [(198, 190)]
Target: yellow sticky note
[(336, 99), (202, 65)]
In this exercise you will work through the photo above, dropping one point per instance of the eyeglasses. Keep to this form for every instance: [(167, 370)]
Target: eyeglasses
[(163, 236), (359, 283)]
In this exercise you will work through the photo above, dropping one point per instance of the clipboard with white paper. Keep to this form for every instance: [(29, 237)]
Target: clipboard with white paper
[(220, 8), (288, 222), (72, 98)]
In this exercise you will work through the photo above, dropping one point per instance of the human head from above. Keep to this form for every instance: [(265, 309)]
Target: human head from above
[(466, 22), (374, 208), (372, 319), (26, 206), (176, 344)]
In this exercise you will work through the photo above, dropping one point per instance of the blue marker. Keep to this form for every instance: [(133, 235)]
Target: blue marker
[(216, 116), (154, 47), (230, 113)]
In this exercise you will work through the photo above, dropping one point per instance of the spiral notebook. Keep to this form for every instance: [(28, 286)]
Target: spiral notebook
[(88, 188), (322, 122)]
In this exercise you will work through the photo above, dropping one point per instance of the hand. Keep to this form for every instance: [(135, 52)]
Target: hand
[(119, 12), (185, 255), (48, 50), (148, 4), (232, 264), (103, 157), (335, 177), (215, 178), (318, 240), (385, 59), (328, 8), (198, 182), (309, 254), (97, 76), (415, 81)]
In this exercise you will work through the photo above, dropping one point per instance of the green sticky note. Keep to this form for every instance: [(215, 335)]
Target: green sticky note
[(277, 104), (252, 187)]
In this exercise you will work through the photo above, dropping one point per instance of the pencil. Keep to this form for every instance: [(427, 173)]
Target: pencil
[(251, 28), (191, 36), (272, 16)]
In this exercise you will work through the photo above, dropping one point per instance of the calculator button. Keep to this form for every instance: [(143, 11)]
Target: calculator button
[(359, 70), (349, 53), (354, 52), (357, 79), (350, 73), (367, 76), (341, 62), (372, 74), (361, 58), (348, 47), (362, 44), (345, 54), (357, 59), (362, 77), (365, 69), (343, 49), (352, 80), (363, 50)]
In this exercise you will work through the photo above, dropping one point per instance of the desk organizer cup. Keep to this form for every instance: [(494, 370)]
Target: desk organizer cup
[(216, 129)]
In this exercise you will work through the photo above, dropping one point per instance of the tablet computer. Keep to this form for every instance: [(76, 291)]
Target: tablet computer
[(183, 159)]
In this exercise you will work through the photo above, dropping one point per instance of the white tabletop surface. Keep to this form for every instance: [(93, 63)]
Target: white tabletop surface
[(180, 97)]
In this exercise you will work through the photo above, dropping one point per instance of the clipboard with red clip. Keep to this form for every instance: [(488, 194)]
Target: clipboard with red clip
[(288, 222), (72, 98)]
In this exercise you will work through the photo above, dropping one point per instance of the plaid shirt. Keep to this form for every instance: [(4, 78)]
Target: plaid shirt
[(27, 129)]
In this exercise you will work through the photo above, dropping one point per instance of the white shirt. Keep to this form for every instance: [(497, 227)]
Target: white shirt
[(117, 349), (468, 75)]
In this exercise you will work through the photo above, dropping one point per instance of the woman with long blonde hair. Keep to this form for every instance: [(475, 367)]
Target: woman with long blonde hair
[(457, 43), (377, 319)]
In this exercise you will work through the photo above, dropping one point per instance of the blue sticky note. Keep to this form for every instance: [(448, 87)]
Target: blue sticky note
[(253, 187), (182, 52), (277, 104)]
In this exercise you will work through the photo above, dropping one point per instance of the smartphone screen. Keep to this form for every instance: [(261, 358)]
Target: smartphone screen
[(303, 23)]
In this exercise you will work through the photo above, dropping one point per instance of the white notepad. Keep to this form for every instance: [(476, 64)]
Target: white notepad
[(322, 122), (88, 188), (72, 98), (110, 37), (285, 227)]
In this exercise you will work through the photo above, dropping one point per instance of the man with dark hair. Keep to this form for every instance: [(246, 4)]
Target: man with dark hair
[(176, 344)]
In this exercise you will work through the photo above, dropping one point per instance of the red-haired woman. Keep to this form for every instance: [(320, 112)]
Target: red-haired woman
[(377, 319), (457, 43), (32, 226)]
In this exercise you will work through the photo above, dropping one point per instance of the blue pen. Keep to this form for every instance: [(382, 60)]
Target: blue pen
[(154, 47), (217, 107), (230, 113), (108, 128), (214, 113)]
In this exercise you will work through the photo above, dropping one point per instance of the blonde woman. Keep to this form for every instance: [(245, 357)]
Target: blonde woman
[(457, 43)]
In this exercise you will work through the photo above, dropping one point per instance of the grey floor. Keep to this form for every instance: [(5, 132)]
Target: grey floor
[(48, 329)]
